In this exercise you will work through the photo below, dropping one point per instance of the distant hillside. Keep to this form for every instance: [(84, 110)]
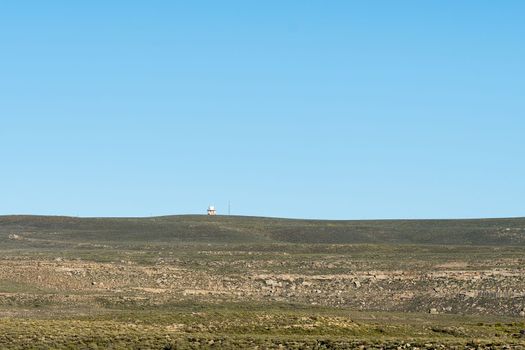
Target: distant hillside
[(237, 229)]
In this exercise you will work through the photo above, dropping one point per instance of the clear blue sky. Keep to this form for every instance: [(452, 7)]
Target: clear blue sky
[(312, 109)]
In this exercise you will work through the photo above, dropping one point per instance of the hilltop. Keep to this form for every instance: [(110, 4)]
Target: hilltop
[(240, 229)]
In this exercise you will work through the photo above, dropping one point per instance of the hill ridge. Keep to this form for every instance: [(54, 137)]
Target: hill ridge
[(244, 229)]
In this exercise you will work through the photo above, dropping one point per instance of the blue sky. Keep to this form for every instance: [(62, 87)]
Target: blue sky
[(310, 109)]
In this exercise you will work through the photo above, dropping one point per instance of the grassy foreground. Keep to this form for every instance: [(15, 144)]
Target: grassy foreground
[(192, 326)]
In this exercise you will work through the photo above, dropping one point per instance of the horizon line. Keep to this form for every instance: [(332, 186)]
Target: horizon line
[(256, 217)]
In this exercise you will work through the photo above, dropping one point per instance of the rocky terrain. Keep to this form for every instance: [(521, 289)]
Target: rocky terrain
[(457, 287)]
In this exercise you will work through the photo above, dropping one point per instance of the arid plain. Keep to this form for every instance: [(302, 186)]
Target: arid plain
[(239, 282)]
